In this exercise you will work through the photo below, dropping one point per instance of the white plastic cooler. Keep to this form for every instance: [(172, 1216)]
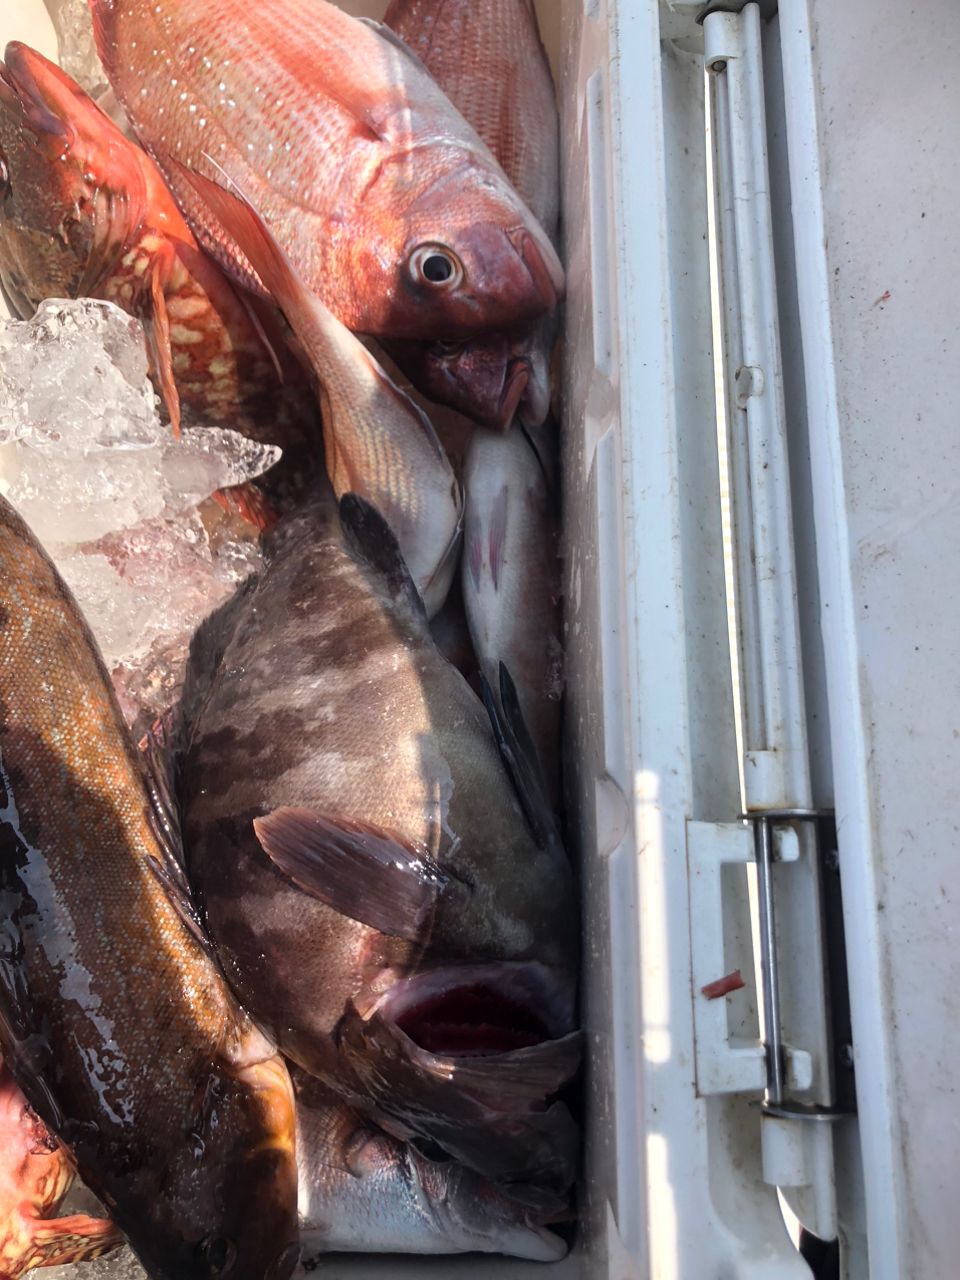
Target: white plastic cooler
[(832, 206)]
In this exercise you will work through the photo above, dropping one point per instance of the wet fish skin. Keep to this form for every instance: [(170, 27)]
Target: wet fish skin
[(317, 703), (490, 61), (114, 1018), (364, 1191), (384, 198), (35, 1174), (510, 576), (85, 213), (377, 442)]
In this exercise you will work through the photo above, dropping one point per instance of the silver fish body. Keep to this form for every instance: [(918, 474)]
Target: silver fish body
[(362, 1191)]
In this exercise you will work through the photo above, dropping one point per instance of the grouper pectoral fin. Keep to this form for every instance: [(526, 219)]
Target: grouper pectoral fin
[(354, 868)]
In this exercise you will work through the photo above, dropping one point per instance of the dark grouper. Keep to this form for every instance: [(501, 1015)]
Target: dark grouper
[(114, 1018), (377, 896)]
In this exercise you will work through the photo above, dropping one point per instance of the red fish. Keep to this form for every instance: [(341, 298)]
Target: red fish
[(377, 442), (35, 1175), (85, 213), (490, 61), (387, 203)]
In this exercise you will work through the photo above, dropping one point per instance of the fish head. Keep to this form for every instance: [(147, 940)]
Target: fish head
[(489, 379), (469, 1215), (469, 262), (464, 1058), (198, 1227), (71, 190)]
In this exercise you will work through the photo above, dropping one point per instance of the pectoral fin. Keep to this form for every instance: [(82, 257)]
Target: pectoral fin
[(354, 868), (77, 1238), (520, 758), (494, 1113), (161, 357)]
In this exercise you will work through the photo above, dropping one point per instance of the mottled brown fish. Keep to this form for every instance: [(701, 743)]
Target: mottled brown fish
[(490, 62), (114, 1017), (84, 212), (388, 204), (36, 1172), (368, 875), (362, 1191)]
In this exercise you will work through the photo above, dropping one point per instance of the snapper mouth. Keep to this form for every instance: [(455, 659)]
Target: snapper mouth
[(478, 1010)]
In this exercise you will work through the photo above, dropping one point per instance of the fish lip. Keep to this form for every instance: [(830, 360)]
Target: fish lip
[(535, 987), (545, 269), (18, 74), (516, 383)]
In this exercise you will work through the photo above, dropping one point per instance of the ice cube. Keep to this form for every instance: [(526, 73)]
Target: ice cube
[(209, 458), (121, 505), (145, 590), (78, 52), (74, 379)]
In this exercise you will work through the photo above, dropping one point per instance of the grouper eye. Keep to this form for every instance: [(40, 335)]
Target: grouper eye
[(219, 1254), (436, 266)]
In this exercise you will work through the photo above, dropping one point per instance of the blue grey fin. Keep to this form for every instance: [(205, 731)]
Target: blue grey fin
[(372, 538), (520, 758), (356, 869)]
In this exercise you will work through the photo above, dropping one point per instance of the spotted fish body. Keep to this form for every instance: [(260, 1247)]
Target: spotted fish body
[(363, 1191), (490, 61), (356, 842), (389, 206), (114, 1018), (35, 1175), (84, 212)]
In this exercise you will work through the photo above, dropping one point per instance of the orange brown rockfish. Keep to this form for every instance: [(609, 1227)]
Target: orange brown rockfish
[(35, 1175), (490, 61), (386, 201), (84, 212), (115, 1019)]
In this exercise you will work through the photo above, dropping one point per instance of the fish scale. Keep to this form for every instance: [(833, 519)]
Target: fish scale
[(114, 1018), (85, 213), (383, 755), (490, 61), (347, 148)]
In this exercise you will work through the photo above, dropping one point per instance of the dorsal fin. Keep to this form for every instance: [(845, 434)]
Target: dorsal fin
[(374, 541)]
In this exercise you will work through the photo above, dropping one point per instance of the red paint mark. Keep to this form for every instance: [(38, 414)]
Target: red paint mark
[(723, 986), (884, 297)]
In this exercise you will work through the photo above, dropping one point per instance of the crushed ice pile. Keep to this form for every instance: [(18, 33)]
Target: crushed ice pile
[(78, 52), (120, 505)]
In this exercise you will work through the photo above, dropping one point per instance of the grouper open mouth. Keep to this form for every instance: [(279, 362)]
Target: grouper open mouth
[(478, 1010)]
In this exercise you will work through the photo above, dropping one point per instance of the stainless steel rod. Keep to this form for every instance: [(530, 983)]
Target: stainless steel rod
[(773, 1033)]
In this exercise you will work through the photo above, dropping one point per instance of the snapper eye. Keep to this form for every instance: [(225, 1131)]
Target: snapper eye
[(436, 266)]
